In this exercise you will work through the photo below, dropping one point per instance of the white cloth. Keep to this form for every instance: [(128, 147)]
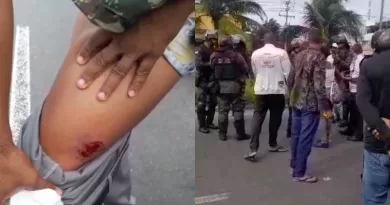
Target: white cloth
[(354, 72), (329, 79), (271, 66), (39, 197)]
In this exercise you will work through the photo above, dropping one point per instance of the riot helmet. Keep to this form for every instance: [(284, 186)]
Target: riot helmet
[(384, 40)]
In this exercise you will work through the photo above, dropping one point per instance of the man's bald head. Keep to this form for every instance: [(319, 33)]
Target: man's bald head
[(357, 48), (269, 38)]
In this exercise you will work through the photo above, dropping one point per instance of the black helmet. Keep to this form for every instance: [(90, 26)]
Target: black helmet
[(342, 40), (226, 42), (384, 40), (374, 39)]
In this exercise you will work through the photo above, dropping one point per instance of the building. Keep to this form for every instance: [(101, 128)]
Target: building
[(204, 22)]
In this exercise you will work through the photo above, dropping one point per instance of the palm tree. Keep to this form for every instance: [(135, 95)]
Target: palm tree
[(332, 18), (217, 9), (273, 26)]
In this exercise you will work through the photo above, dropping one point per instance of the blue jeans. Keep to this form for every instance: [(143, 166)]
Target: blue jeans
[(303, 131), (376, 178)]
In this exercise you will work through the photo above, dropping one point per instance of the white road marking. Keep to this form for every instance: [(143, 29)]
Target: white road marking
[(20, 102), (133, 200), (211, 198)]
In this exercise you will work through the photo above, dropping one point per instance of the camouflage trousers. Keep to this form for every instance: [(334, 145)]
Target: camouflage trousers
[(237, 104), (205, 108)]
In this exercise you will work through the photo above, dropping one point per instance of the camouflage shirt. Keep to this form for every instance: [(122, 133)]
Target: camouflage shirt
[(342, 65), (307, 79), (117, 15)]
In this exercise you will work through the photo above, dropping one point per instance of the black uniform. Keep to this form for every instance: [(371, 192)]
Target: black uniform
[(230, 69), (207, 101)]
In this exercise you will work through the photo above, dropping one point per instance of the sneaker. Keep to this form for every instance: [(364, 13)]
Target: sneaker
[(204, 130), (223, 137), (355, 139), (321, 144), (212, 126), (251, 157), (243, 137)]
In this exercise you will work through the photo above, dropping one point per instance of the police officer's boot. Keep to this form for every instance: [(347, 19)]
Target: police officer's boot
[(240, 130), (202, 124), (223, 126)]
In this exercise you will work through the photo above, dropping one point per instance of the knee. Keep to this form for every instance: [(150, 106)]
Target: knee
[(201, 106), (238, 116)]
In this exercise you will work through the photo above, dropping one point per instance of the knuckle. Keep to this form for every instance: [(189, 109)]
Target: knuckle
[(99, 60)]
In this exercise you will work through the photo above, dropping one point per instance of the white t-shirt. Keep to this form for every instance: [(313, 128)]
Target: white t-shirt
[(271, 66), (355, 70)]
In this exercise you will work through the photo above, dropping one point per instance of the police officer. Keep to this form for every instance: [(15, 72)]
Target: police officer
[(240, 47), (207, 100), (230, 69)]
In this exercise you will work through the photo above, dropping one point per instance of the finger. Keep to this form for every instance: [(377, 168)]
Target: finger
[(141, 75), (99, 63), (99, 40), (44, 184), (118, 72)]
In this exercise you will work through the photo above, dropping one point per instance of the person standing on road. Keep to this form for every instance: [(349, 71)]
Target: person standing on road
[(207, 101), (325, 139), (372, 99), (308, 99), (271, 66), (296, 47), (230, 70), (355, 124), (337, 107), (342, 61)]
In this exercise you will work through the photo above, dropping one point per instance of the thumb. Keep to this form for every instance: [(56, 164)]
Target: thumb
[(44, 184)]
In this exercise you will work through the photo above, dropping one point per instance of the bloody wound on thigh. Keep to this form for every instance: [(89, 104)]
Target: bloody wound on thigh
[(89, 149)]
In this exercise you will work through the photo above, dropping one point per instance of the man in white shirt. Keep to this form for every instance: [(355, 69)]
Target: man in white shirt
[(271, 66), (355, 124)]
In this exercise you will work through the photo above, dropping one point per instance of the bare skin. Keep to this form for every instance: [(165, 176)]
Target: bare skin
[(75, 128)]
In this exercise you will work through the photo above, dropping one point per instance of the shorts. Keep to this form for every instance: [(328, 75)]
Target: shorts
[(105, 179)]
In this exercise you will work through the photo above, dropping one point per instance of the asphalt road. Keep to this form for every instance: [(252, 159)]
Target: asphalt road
[(223, 176), (162, 146)]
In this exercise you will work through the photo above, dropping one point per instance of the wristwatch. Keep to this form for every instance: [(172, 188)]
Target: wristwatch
[(117, 15)]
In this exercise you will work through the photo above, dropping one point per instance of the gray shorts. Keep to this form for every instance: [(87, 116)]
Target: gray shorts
[(88, 185)]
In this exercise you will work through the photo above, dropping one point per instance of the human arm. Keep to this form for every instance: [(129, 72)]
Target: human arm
[(253, 62), (319, 77), (286, 65), (16, 170), (369, 112), (6, 43), (242, 64), (141, 46)]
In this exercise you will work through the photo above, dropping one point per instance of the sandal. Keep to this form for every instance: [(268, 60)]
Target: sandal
[(306, 179), (277, 149)]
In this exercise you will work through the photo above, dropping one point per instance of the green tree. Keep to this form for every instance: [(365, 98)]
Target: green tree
[(332, 18), (237, 9)]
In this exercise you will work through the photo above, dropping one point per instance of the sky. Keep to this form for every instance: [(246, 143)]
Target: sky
[(274, 7)]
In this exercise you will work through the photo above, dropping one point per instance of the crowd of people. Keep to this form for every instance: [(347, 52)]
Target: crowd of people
[(334, 82)]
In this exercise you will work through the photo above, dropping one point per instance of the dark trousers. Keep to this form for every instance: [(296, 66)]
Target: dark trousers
[(275, 103), (206, 107), (345, 110), (304, 128), (237, 103), (355, 123), (289, 122)]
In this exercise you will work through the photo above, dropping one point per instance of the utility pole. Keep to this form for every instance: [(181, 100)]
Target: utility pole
[(369, 9), (381, 16), (288, 6)]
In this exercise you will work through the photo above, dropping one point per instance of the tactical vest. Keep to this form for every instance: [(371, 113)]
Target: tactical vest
[(227, 74)]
